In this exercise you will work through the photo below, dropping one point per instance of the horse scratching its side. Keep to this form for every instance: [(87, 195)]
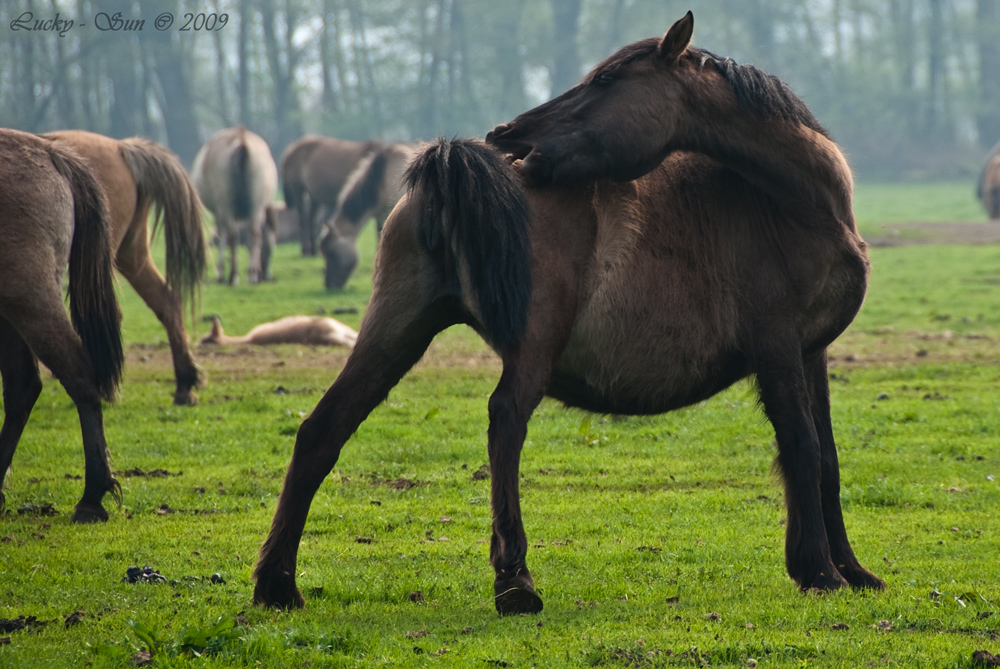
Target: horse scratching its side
[(137, 174), (735, 254), (53, 214), (372, 189), (237, 178)]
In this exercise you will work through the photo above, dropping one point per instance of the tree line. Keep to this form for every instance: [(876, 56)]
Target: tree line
[(909, 87)]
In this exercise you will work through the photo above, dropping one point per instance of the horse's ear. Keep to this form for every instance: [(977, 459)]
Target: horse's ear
[(677, 38)]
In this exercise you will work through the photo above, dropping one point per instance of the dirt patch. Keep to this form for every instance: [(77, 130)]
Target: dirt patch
[(905, 234)]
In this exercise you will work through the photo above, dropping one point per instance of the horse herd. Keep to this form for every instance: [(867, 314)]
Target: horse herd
[(672, 224)]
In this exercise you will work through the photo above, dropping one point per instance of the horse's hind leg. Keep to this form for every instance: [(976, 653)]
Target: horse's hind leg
[(135, 264), (784, 394), (840, 548), (21, 387), (521, 388), (46, 328), (396, 331)]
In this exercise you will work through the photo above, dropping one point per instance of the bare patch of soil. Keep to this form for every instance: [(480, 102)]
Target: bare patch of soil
[(905, 234)]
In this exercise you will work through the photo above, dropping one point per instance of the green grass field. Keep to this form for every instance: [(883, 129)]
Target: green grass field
[(655, 542)]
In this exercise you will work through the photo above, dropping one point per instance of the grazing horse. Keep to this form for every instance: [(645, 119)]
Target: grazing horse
[(137, 174), (308, 330), (53, 214), (372, 189), (313, 172), (735, 255), (237, 178), (988, 190)]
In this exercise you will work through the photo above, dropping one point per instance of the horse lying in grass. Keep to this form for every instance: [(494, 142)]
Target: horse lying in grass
[(137, 174), (237, 178), (53, 215), (372, 189), (732, 253), (308, 330)]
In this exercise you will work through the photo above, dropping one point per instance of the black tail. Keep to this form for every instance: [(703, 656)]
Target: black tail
[(159, 177), (360, 195), (239, 175), (93, 305), (477, 219)]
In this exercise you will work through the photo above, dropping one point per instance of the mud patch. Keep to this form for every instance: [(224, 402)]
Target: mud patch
[(20, 624)]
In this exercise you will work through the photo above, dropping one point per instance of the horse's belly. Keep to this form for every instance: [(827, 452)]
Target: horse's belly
[(630, 364)]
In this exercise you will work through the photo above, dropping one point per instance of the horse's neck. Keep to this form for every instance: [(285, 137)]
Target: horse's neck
[(798, 167)]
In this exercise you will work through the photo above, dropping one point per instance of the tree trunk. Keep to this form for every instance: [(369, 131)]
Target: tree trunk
[(565, 53), (988, 119)]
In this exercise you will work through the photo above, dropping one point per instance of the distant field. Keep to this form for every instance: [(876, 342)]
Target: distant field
[(655, 542), (879, 203)]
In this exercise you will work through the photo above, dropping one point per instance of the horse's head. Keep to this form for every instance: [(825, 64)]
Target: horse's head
[(341, 255), (615, 124)]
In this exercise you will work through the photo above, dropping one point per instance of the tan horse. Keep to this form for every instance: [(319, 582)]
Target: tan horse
[(237, 178), (314, 169), (308, 330), (372, 189), (137, 174), (734, 254), (53, 215), (988, 190)]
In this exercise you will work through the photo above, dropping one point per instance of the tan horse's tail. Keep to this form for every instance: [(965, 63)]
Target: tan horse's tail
[(160, 178), (93, 305)]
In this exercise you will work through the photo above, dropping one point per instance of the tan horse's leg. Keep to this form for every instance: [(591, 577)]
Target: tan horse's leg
[(21, 387), (840, 548), (134, 262), (43, 324)]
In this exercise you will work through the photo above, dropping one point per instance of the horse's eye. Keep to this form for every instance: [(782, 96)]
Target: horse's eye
[(605, 79)]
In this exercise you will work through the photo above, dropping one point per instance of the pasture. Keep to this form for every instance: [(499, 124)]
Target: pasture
[(654, 541)]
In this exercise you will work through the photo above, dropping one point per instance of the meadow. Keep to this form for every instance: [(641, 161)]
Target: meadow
[(654, 542)]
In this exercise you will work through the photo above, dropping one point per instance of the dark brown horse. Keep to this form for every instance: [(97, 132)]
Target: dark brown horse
[(314, 169), (988, 189), (137, 174), (372, 189), (53, 214), (736, 255)]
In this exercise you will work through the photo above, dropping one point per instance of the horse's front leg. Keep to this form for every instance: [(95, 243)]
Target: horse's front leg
[(840, 548), (784, 394), (521, 388)]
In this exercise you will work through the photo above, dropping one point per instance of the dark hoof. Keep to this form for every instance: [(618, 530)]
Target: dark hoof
[(277, 592), (860, 578), (516, 595), (89, 513), (825, 581), (185, 398)]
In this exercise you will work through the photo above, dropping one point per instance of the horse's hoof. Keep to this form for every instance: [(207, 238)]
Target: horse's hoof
[(862, 579), (825, 581), (516, 595), (276, 589), (185, 398), (89, 513)]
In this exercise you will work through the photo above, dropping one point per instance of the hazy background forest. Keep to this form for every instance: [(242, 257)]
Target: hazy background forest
[(911, 88)]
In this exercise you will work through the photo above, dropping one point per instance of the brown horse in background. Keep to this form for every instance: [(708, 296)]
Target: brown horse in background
[(988, 190), (314, 169), (137, 174), (53, 214), (236, 177), (372, 189), (734, 255)]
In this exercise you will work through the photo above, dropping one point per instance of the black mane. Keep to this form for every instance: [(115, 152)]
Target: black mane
[(760, 92)]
